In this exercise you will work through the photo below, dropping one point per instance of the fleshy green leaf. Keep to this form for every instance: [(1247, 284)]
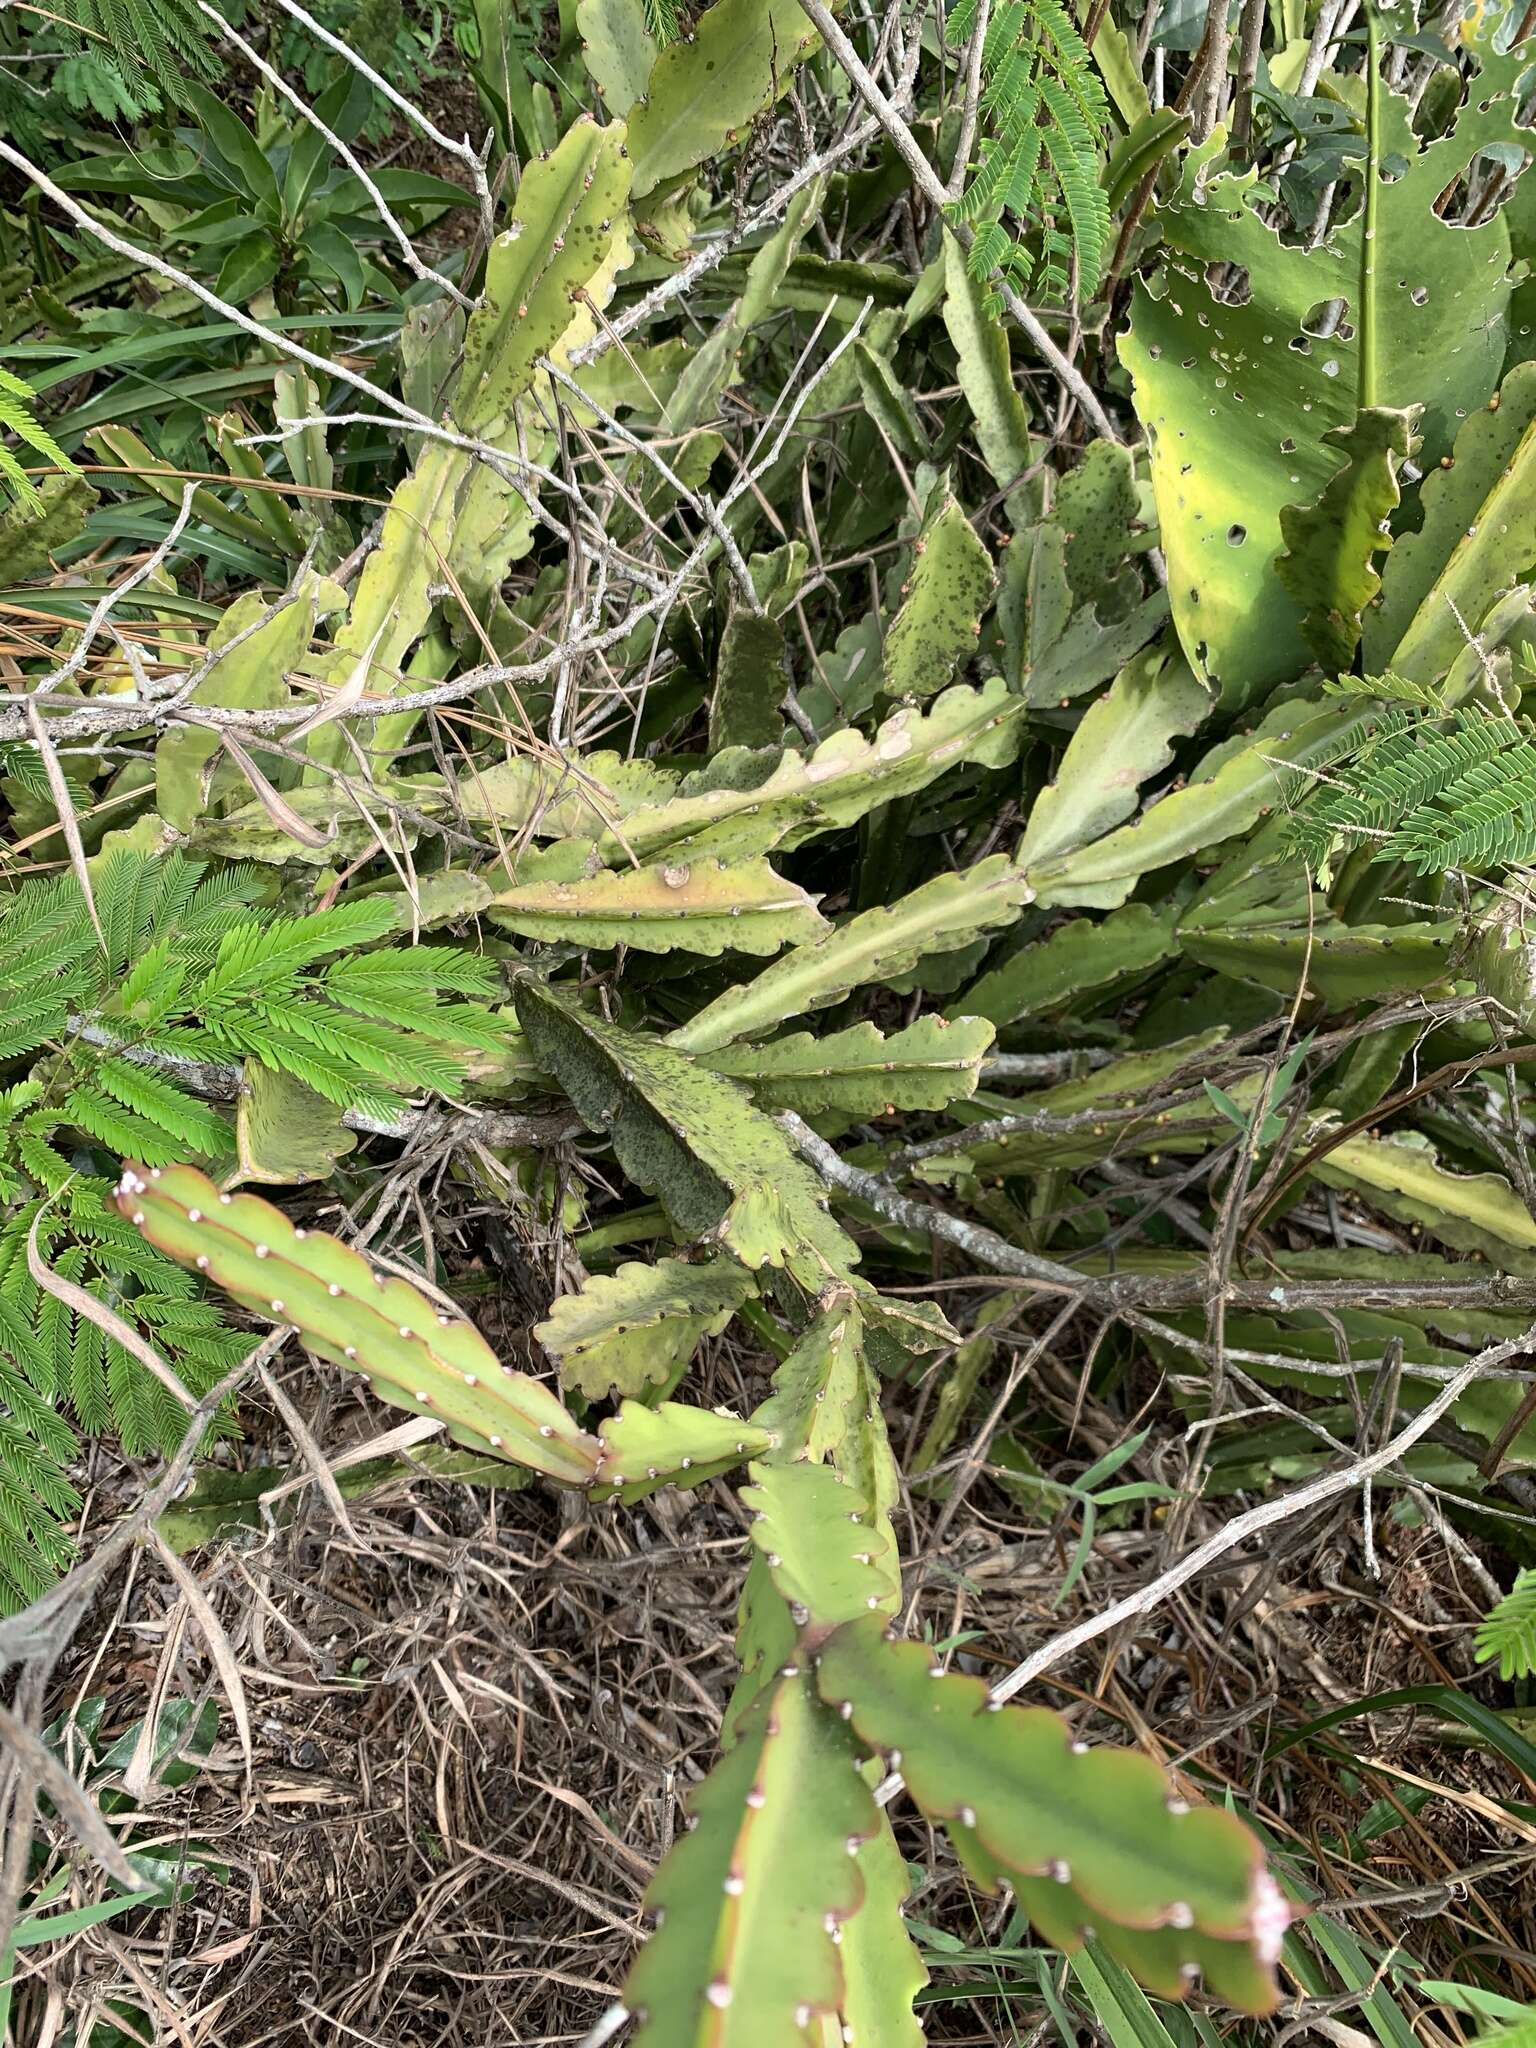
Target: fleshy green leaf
[(636, 1328)]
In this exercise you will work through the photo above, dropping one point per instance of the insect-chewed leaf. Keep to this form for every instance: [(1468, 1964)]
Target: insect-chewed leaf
[(346, 1311), (1101, 1821), (701, 906), (630, 1330), (688, 1136), (938, 917), (1227, 456), (860, 1071), (671, 1445), (743, 804), (750, 1905), (940, 618), (824, 1550)]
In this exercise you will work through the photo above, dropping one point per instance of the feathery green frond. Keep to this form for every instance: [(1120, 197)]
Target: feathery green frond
[(16, 417), (1034, 196), (1440, 791), (1509, 1633), (132, 1036)]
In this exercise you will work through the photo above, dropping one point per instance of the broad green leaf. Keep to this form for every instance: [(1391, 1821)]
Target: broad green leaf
[(395, 593), (818, 1389), (1238, 786), (119, 447), (743, 803), (1238, 391), (1117, 1087), (882, 1970), (635, 1328), (820, 1539), (719, 1166), (573, 798), (939, 916), (711, 367), (703, 906), (253, 648), (706, 91), (1038, 1805), (1343, 963), (1079, 958), (1151, 136), (889, 403), (564, 232), (31, 533), (1473, 1211), (1096, 509), (986, 373), (859, 1071), (250, 267), (618, 51), (749, 682), (1088, 650)]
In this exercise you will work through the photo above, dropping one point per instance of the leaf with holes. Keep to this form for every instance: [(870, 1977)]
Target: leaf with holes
[(1238, 391)]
